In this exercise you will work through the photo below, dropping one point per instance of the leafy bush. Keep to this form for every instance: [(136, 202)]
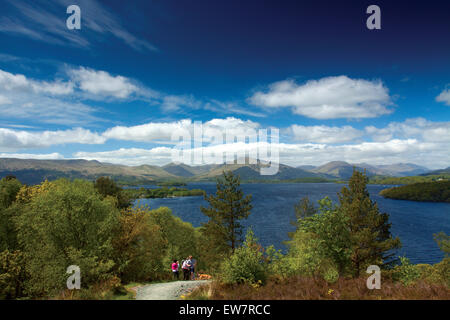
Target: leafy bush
[(65, 223), (331, 275), (246, 264), (12, 274), (138, 246), (320, 245), (406, 273)]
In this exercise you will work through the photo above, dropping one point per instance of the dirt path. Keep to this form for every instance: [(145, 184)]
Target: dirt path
[(167, 290)]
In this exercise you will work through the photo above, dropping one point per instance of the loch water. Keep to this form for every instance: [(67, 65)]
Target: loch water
[(273, 209)]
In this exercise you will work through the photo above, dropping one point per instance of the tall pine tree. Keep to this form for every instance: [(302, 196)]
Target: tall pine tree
[(371, 241), (226, 209)]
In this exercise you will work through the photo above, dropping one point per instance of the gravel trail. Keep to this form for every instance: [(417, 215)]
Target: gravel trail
[(167, 290)]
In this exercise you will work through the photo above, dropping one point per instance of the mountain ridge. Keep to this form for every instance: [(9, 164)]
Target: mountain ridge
[(34, 171)]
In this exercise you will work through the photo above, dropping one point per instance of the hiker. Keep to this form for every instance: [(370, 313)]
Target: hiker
[(186, 268), (175, 266), (193, 267)]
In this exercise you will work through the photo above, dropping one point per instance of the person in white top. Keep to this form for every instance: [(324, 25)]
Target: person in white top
[(186, 269)]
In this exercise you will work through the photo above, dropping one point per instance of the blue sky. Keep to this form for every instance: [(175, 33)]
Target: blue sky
[(117, 89)]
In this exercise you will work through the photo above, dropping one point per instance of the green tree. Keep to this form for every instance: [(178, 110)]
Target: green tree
[(226, 209), (304, 208), (66, 223), (9, 188), (443, 241), (223, 232), (246, 264), (320, 245), (370, 237), (107, 187), (180, 236), (138, 246), (12, 274)]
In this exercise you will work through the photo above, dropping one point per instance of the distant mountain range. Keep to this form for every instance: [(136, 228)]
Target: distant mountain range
[(437, 172), (34, 171), (344, 170)]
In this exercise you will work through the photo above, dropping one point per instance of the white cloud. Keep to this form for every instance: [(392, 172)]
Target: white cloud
[(444, 97), (162, 131), (4, 100), (328, 98), (323, 134), (49, 156), (417, 128), (33, 107), (129, 156), (11, 140), (433, 155), (173, 103), (415, 140), (231, 108), (102, 83), (18, 83)]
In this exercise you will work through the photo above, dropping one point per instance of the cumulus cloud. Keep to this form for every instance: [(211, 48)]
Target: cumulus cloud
[(444, 97), (328, 98), (59, 101), (101, 83), (163, 131), (414, 140), (417, 128), (323, 134), (11, 140)]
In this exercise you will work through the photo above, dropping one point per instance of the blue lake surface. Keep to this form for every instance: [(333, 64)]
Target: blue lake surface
[(273, 209)]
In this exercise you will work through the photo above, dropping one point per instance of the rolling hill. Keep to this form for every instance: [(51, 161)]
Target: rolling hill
[(343, 170), (34, 171), (437, 172)]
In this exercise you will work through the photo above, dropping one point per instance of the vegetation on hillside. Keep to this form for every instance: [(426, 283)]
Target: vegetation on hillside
[(328, 256), (163, 192), (47, 227), (438, 191), (407, 180)]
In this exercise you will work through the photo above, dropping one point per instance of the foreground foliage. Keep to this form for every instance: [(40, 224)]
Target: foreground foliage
[(50, 226)]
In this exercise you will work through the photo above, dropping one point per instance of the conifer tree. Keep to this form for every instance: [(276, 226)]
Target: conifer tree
[(226, 209), (303, 209), (370, 236)]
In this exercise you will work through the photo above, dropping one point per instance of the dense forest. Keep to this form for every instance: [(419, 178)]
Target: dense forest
[(438, 191)]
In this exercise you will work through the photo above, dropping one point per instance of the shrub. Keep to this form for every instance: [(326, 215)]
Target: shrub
[(331, 275), (12, 274), (406, 273), (246, 264)]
